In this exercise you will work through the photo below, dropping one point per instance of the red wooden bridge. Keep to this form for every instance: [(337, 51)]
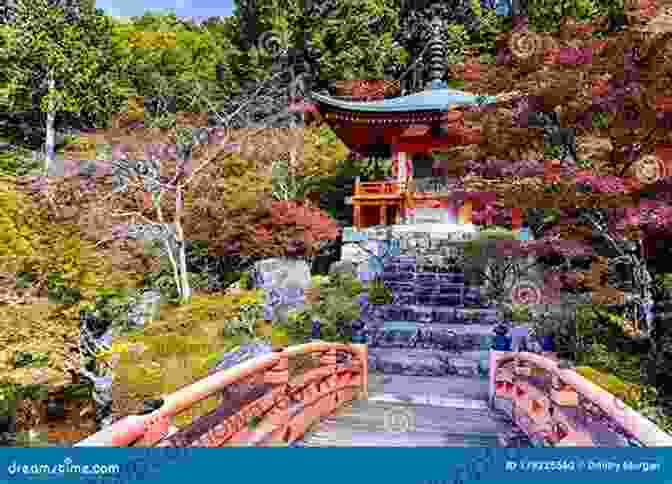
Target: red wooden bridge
[(334, 401)]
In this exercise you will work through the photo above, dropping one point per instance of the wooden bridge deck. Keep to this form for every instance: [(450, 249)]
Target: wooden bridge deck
[(408, 411)]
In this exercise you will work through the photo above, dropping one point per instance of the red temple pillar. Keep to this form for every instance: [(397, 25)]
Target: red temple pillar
[(516, 219)]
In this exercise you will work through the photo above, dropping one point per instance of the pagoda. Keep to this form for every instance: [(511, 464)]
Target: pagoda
[(423, 116), (406, 129)]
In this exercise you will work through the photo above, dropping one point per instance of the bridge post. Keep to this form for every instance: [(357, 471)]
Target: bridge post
[(278, 376), (363, 355), (492, 370)]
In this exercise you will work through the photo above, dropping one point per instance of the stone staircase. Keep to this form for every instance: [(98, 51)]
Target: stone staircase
[(428, 363), (411, 411), (436, 326)]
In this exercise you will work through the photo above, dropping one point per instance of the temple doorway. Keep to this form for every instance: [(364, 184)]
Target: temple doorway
[(423, 166)]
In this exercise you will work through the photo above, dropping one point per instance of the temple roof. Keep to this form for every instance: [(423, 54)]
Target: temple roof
[(436, 99)]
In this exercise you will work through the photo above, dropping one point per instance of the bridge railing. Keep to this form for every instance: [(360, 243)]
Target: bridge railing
[(558, 407), (260, 404)]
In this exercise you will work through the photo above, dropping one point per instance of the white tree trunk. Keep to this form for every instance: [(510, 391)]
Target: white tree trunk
[(186, 288), (182, 256), (51, 134), (176, 271)]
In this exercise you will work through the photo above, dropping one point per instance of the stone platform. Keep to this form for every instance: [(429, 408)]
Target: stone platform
[(402, 334), (428, 362)]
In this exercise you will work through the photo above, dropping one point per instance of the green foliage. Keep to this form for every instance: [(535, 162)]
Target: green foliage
[(350, 50), (379, 294), (217, 307), (16, 238), (487, 58), (373, 168), (601, 120), (60, 291), (642, 398), (30, 360), (623, 365), (161, 121), (521, 313), (457, 40), (456, 83), (551, 152), (8, 163), (336, 310), (344, 283), (663, 281), (318, 281), (11, 393), (245, 322), (633, 395), (163, 278), (78, 53), (175, 62), (491, 25), (112, 305), (545, 15), (246, 281)]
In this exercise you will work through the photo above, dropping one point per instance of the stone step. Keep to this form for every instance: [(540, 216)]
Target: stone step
[(430, 336), (332, 435), (382, 421), (427, 362), (465, 388), (437, 314)]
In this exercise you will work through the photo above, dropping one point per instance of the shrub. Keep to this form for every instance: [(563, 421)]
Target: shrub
[(457, 39), (379, 294), (520, 313), (623, 365), (318, 281), (337, 309), (245, 322), (546, 15), (630, 393), (485, 37), (245, 281), (212, 307)]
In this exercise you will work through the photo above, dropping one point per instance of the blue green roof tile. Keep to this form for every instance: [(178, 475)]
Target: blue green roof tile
[(438, 99)]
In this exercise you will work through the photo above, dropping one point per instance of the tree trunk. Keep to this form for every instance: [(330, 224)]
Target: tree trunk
[(184, 275), (176, 270), (51, 134), (185, 295)]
